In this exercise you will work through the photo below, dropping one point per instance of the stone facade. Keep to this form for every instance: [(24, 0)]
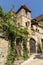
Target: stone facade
[(3, 50), (24, 19)]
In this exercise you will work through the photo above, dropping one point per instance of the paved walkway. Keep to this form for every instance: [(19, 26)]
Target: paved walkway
[(36, 59)]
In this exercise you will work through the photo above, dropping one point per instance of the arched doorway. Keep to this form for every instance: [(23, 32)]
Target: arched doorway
[(32, 43)]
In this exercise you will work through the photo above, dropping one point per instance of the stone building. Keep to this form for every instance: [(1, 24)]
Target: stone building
[(35, 27)]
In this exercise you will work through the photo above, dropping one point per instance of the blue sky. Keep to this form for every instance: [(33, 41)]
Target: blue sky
[(36, 6)]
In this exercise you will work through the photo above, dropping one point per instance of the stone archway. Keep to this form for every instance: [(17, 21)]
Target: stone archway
[(32, 44)]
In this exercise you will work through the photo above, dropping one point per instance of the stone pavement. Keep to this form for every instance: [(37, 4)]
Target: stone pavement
[(36, 59)]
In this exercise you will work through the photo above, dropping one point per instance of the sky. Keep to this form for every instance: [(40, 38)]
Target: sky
[(36, 6)]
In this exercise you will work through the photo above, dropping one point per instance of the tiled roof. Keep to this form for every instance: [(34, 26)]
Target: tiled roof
[(39, 17), (24, 7)]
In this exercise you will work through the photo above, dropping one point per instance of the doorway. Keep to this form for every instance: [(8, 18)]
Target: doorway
[(32, 43)]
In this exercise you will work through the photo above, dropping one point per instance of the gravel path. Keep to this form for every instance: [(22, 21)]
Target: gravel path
[(36, 59)]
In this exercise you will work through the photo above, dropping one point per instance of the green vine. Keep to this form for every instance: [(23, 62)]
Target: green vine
[(39, 48), (25, 49), (10, 30), (11, 54)]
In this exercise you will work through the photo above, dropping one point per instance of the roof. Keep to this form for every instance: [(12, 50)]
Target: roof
[(24, 7), (39, 17), (37, 20)]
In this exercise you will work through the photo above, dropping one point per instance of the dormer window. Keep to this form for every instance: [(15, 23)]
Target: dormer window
[(27, 23)]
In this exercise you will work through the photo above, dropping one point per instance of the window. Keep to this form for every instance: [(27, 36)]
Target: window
[(37, 29), (27, 23), (26, 11)]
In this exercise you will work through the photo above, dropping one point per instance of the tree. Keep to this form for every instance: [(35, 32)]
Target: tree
[(8, 31)]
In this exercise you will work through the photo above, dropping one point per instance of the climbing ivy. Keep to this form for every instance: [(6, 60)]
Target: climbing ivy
[(11, 54), (25, 49), (39, 48), (11, 32)]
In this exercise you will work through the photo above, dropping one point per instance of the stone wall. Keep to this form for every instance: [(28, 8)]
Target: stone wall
[(3, 50)]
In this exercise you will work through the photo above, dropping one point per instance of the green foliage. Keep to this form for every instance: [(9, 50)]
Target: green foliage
[(23, 32), (7, 26), (39, 48), (1, 12), (25, 49), (11, 54), (40, 23), (11, 32)]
